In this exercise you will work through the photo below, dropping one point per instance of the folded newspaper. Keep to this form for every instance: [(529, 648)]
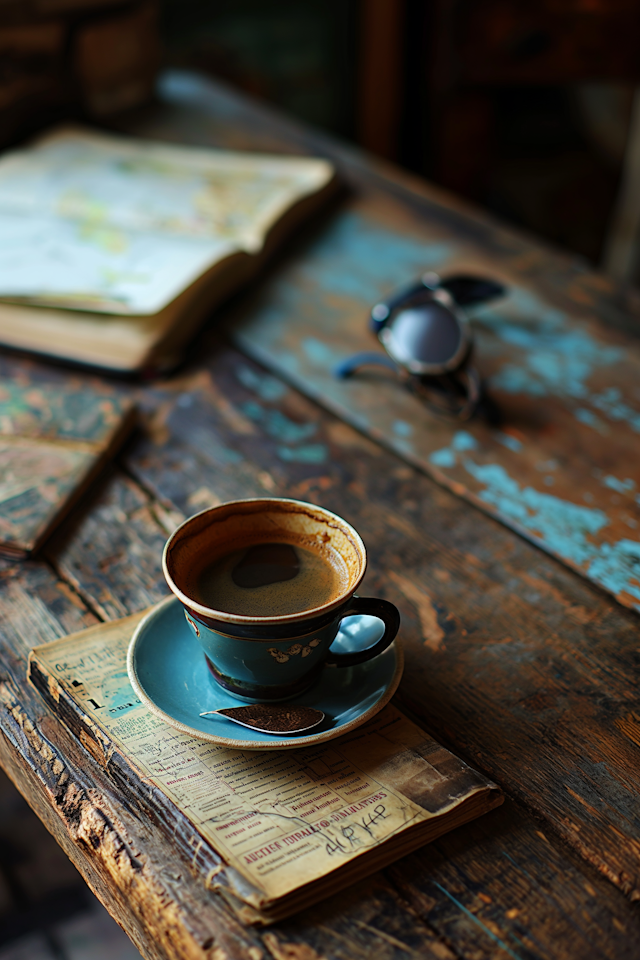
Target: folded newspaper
[(273, 832)]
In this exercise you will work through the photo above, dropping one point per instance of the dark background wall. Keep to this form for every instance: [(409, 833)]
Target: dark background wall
[(301, 56), (522, 107)]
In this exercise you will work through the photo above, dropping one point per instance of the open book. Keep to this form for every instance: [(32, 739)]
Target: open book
[(273, 831), (113, 250)]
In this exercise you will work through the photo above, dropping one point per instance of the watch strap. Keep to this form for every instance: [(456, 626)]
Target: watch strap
[(465, 291)]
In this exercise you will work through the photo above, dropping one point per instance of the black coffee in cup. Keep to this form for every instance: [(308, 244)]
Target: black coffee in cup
[(265, 585), (272, 579)]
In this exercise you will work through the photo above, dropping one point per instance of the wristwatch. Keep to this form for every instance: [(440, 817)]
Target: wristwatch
[(428, 342)]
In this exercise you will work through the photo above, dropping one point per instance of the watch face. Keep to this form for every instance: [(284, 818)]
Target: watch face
[(425, 338)]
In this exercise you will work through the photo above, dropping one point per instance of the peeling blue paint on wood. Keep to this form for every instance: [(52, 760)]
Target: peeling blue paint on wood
[(314, 314), (360, 259), (266, 386), (402, 429), (620, 486), (617, 567), (443, 458), (222, 453), (588, 417), (565, 528), (512, 443), (277, 425), (555, 360), (309, 453), (611, 403), (462, 440), (514, 379), (321, 354), (562, 525), (558, 356)]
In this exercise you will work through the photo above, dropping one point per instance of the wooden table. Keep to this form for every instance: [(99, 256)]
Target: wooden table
[(516, 662)]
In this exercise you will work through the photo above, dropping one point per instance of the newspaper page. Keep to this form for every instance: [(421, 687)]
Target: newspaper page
[(115, 225), (281, 819)]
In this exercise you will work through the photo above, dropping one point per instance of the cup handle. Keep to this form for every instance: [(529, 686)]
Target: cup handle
[(373, 607)]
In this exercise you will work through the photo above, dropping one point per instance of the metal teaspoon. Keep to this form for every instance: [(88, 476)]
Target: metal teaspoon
[(272, 717)]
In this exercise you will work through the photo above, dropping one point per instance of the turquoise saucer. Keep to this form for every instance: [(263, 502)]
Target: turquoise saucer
[(168, 672)]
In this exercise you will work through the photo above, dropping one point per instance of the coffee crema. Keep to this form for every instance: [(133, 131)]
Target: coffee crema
[(271, 580)]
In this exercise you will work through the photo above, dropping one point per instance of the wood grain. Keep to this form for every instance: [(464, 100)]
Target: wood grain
[(559, 468), (54, 439), (454, 898), (201, 441), (511, 659), (514, 662), (110, 554)]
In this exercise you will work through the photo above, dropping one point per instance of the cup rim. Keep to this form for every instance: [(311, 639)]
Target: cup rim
[(221, 615)]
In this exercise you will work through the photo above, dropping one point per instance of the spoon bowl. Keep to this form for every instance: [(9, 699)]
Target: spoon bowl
[(274, 718)]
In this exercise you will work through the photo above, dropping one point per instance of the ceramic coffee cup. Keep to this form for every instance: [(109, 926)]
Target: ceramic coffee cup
[(262, 658)]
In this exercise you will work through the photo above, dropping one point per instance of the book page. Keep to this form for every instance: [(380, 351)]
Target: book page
[(281, 819), (116, 225)]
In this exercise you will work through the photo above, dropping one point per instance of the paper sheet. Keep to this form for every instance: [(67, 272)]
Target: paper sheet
[(281, 819)]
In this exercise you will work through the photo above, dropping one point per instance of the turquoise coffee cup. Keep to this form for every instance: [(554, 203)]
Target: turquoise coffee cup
[(270, 658)]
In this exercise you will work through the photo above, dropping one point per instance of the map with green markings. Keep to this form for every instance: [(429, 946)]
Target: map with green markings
[(114, 225)]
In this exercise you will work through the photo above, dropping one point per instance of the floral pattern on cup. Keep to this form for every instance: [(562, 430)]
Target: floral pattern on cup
[(281, 656)]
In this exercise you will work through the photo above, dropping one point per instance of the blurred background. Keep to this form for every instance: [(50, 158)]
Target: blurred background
[(524, 108), (521, 107)]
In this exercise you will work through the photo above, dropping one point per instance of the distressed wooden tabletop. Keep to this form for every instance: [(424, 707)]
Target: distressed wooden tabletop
[(520, 664)]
